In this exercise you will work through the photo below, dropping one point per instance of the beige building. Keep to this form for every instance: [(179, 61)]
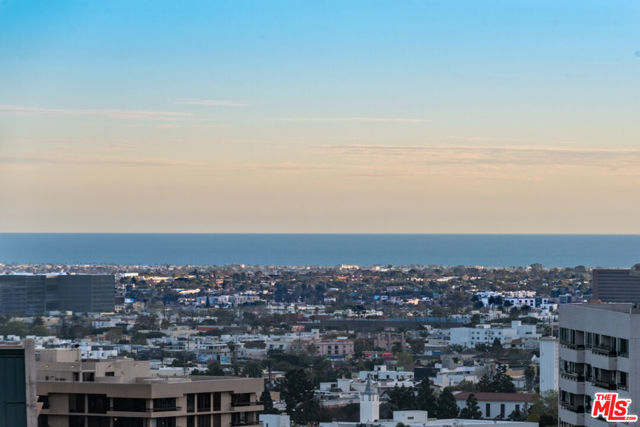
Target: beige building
[(122, 393)]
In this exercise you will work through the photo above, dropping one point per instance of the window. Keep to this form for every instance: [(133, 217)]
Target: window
[(76, 403), (216, 401), (43, 421), (502, 410), (191, 402), (166, 404), (241, 399), (45, 401), (88, 377), (623, 347), (216, 420), (109, 374), (204, 420), (165, 422), (204, 402), (129, 405), (128, 422), (76, 421), (76, 376), (487, 410), (191, 421), (99, 422), (98, 403)]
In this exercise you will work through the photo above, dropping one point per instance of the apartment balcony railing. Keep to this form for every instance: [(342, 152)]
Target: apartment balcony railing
[(604, 351), (579, 409), (604, 384), (573, 376)]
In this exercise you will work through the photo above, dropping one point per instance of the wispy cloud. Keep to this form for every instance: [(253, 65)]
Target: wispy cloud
[(210, 103), (108, 113), (485, 154), (354, 119)]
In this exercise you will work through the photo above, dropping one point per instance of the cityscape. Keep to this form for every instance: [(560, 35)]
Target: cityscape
[(285, 213)]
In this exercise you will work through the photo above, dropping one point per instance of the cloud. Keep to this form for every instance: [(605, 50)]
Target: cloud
[(111, 114), (354, 119), (492, 155), (210, 103)]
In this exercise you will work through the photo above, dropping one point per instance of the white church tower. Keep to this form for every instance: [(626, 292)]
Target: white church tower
[(369, 404)]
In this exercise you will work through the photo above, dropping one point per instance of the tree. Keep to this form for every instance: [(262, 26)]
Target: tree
[(484, 384), (267, 403), (139, 338), (39, 331), (401, 398), (472, 410), (426, 399), (14, 327), (214, 368), (146, 322), (113, 335), (544, 409), (529, 376), (298, 393), (405, 359), (502, 383), (517, 415), (252, 369), (447, 406)]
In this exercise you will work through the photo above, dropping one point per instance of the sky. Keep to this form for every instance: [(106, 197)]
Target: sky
[(320, 117)]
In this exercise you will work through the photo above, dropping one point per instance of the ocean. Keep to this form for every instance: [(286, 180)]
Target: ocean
[(489, 250)]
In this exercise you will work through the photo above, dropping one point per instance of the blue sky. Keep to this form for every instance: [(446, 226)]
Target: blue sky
[(313, 109)]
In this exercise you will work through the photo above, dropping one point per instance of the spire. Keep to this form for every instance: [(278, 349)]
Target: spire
[(367, 389)]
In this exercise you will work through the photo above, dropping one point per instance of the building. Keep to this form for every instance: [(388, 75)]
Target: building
[(18, 385), (549, 363), (486, 334), (619, 285), (369, 404), (496, 405), (340, 347), (122, 393), (36, 294), (599, 352), (275, 420)]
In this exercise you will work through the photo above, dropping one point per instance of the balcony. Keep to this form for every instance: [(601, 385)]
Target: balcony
[(572, 354), (572, 383), (569, 414), (605, 384), (604, 351)]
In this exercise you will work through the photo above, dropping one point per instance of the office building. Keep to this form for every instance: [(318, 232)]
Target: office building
[(599, 352), (619, 285), (487, 334), (122, 393), (28, 294)]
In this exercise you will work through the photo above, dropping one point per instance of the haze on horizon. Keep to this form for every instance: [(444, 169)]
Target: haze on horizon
[(314, 117)]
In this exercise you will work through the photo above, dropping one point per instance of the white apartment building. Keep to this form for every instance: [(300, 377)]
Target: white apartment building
[(486, 334), (599, 352), (549, 363)]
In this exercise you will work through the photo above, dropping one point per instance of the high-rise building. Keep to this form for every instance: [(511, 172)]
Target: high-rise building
[(619, 285), (122, 393), (18, 406), (599, 352), (36, 294)]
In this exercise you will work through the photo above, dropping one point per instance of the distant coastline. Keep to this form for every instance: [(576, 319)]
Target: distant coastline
[(490, 250)]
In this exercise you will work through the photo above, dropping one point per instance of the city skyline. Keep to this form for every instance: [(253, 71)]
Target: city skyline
[(332, 117)]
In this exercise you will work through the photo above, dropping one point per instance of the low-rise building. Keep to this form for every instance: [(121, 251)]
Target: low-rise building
[(122, 393)]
